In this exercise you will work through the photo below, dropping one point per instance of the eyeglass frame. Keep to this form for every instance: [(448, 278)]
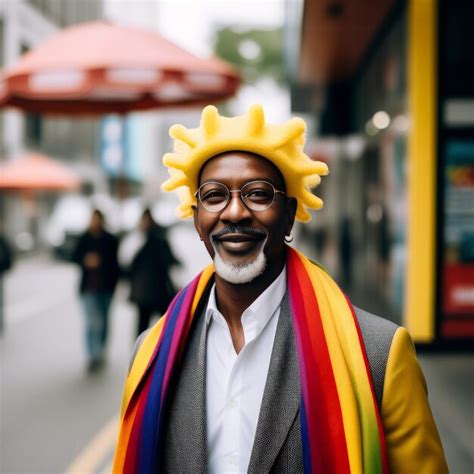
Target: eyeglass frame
[(275, 192)]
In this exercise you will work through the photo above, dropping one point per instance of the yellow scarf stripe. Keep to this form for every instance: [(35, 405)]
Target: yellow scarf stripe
[(203, 281), (357, 369), (140, 363), (352, 379), (338, 362)]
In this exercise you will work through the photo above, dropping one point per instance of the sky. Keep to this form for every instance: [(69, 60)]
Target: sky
[(191, 23)]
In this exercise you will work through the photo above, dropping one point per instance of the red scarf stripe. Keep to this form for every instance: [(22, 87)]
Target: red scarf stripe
[(327, 435), (383, 447)]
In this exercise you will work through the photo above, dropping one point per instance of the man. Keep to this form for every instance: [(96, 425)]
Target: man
[(96, 254), (261, 364), (6, 262), (151, 288)]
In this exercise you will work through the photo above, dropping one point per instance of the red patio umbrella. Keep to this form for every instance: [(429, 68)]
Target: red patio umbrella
[(99, 67), (33, 172), (36, 172)]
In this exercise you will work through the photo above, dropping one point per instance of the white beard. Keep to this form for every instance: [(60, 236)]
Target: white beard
[(240, 274)]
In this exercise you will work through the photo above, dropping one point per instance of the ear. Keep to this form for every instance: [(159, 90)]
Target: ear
[(196, 221), (291, 206)]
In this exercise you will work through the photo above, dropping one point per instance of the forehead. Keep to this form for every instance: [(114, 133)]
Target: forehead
[(236, 167)]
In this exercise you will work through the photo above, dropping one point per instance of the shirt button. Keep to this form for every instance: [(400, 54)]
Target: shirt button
[(234, 460), (232, 404)]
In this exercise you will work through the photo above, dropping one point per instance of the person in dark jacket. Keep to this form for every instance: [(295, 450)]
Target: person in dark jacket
[(96, 253), (151, 288), (6, 262)]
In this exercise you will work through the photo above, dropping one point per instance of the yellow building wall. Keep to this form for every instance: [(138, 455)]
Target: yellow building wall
[(419, 311)]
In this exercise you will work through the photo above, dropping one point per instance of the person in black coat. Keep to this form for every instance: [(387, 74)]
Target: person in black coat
[(96, 254), (151, 288), (6, 262)]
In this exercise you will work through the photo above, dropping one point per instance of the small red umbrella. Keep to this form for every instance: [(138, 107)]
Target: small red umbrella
[(96, 68), (36, 172), (30, 173)]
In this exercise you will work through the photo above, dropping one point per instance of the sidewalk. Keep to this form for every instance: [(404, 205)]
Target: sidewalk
[(450, 380)]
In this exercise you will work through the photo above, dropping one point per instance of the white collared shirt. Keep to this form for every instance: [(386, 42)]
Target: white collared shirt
[(235, 383)]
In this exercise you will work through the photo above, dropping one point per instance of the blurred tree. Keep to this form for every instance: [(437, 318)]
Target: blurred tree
[(255, 53)]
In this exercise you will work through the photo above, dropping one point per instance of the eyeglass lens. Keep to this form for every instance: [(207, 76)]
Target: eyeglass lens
[(256, 195)]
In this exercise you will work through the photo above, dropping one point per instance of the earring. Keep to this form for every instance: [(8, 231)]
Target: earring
[(289, 238)]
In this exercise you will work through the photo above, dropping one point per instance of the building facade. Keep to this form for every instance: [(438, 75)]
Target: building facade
[(391, 88), (23, 25)]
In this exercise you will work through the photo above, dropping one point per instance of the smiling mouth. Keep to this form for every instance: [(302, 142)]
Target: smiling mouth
[(239, 243)]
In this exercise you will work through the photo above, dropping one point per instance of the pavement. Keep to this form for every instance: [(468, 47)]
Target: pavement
[(56, 418), (51, 408)]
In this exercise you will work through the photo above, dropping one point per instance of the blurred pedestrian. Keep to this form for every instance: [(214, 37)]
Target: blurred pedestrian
[(6, 254), (384, 245), (147, 259), (345, 252), (6, 261), (96, 253)]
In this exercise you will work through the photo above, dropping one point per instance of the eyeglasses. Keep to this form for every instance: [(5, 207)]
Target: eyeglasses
[(256, 195)]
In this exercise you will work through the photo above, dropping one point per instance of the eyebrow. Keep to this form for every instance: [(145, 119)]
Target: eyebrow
[(268, 180)]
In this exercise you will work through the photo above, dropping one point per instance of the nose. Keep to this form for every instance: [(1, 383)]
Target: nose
[(236, 210)]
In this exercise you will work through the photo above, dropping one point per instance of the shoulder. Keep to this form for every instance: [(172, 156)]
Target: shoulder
[(378, 335), (84, 236), (412, 439), (139, 342), (110, 238), (136, 347), (375, 330), (82, 240), (108, 235)]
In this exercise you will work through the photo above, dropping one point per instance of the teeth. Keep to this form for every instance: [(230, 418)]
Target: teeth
[(237, 239)]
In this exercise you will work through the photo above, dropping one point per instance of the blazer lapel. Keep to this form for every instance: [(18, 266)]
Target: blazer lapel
[(281, 397)]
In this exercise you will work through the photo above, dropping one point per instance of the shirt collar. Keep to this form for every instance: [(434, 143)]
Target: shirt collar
[(260, 311)]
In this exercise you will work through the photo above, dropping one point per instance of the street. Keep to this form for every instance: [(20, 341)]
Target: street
[(51, 408), (57, 418)]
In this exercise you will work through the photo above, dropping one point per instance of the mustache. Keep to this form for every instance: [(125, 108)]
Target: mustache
[(239, 229)]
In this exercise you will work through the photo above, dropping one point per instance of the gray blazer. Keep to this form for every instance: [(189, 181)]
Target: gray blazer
[(277, 447)]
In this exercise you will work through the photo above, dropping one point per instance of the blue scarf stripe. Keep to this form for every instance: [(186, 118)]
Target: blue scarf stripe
[(305, 439), (149, 438)]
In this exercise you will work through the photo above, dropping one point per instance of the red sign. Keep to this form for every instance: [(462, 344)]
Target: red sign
[(458, 289)]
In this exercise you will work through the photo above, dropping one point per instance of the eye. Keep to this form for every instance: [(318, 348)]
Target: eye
[(259, 193), (213, 195)]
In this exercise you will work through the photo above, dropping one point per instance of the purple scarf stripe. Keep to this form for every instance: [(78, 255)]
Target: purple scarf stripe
[(149, 443), (305, 439)]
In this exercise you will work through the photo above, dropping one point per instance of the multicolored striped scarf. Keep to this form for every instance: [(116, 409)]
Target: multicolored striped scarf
[(340, 424)]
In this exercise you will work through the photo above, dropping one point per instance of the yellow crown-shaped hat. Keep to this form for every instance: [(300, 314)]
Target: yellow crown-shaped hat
[(280, 144)]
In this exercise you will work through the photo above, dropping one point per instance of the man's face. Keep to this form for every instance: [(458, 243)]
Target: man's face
[(240, 235)]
